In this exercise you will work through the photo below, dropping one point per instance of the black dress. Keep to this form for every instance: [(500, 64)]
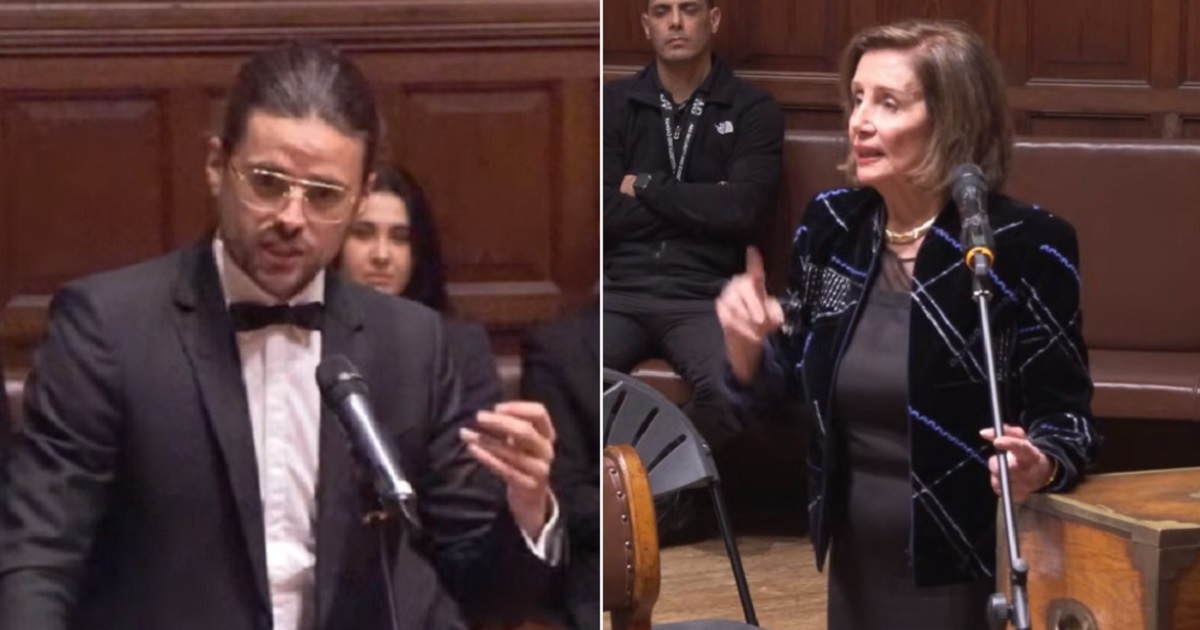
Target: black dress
[(871, 584)]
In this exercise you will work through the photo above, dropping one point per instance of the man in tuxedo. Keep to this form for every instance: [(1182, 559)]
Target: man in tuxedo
[(561, 369), (178, 469)]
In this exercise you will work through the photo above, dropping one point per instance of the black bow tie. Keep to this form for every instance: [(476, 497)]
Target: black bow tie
[(249, 316)]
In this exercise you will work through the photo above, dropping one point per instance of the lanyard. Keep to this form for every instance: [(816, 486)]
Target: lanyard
[(668, 111)]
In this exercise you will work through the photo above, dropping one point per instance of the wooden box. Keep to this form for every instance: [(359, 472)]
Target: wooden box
[(1121, 552)]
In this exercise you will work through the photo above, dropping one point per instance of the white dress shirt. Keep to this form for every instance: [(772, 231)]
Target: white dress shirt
[(278, 366)]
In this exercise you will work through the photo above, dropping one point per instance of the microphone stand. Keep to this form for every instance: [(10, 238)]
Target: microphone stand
[(381, 519), (999, 610)]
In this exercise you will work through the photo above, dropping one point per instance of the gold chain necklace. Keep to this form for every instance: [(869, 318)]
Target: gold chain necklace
[(904, 238)]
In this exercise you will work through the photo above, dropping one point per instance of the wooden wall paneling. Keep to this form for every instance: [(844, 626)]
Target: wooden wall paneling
[(1190, 127), (98, 71), (1168, 23), (624, 41), (1099, 40), (1090, 126), (1011, 41), (191, 124), (981, 15), (803, 90), (87, 184), (1021, 123), (1109, 60), (1190, 45), (575, 249), (243, 26), (1114, 105), (496, 144), (793, 35), (730, 39), (390, 99), (817, 119), (486, 154), (1100, 98), (511, 83), (1092, 67)]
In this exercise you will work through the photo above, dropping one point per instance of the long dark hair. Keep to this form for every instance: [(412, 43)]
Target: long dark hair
[(427, 284), (300, 79)]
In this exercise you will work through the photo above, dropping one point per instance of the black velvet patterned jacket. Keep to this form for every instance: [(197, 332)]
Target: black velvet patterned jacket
[(1041, 363)]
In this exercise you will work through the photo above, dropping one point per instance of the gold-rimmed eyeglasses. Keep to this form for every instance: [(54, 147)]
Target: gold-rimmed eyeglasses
[(270, 191)]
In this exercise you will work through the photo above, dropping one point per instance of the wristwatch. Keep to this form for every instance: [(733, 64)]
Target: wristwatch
[(640, 182)]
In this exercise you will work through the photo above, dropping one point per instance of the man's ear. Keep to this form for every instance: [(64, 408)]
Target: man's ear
[(214, 165), (646, 25), (714, 18)]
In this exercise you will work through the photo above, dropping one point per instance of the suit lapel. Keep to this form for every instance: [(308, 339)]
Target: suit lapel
[(208, 339), (338, 510)]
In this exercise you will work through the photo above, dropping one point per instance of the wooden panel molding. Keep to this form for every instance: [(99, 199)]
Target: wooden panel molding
[(106, 109), (1098, 40), (1084, 67), (181, 26), (70, 211)]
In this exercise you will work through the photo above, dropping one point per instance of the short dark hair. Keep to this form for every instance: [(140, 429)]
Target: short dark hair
[(427, 284), (299, 79)]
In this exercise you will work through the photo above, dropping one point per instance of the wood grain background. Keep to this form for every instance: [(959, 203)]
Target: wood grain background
[(105, 108), (1080, 68)]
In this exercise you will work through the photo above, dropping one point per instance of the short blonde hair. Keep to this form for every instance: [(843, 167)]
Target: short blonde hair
[(964, 92)]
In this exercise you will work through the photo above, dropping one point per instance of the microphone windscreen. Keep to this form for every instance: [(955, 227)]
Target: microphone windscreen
[(337, 378), (966, 177)]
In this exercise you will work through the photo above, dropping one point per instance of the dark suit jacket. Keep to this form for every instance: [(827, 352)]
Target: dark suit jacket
[(562, 371), (5, 424), (134, 500), (1041, 363), (471, 351)]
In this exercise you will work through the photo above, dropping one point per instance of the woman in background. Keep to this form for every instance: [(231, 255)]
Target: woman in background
[(393, 246)]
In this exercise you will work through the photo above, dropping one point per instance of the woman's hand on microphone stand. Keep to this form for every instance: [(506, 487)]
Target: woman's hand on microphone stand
[(1029, 469), (747, 315)]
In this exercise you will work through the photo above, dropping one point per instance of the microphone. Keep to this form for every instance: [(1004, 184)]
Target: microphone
[(345, 392), (969, 190)]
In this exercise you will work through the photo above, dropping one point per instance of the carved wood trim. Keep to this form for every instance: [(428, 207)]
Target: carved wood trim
[(93, 28)]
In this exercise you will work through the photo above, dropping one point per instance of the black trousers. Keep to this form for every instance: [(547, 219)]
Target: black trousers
[(686, 334)]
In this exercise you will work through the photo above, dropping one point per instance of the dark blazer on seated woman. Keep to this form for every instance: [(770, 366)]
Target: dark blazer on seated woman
[(1041, 363), (6, 427), (471, 351), (561, 369)]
